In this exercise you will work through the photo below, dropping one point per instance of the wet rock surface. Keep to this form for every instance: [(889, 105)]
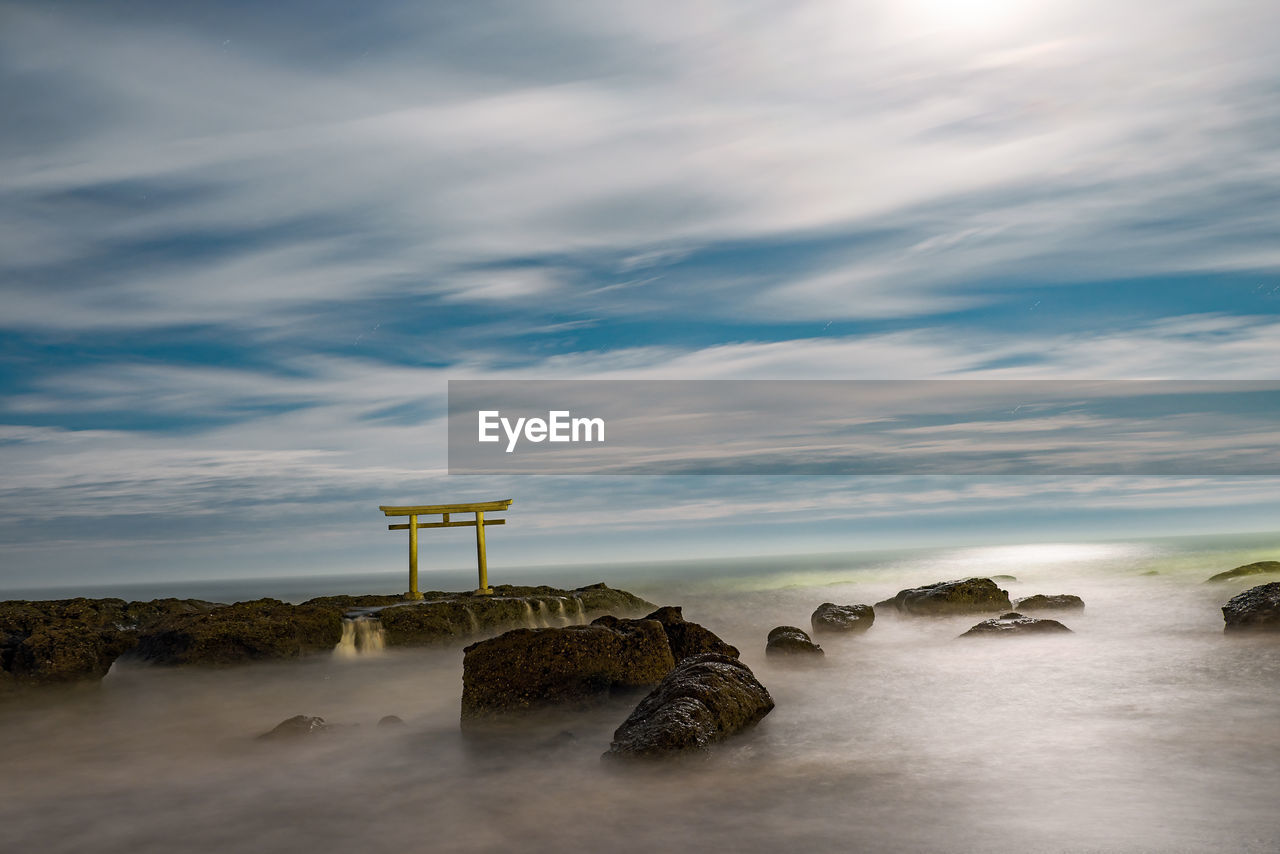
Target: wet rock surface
[(261, 630), (1256, 609), (1014, 623), (1262, 567), (832, 618), (967, 596), (705, 699), (71, 640), (1059, 602), (684, 638), (528, 669), (785, 641)]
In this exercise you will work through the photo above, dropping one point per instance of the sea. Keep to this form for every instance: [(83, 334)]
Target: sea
[(1146, 729)]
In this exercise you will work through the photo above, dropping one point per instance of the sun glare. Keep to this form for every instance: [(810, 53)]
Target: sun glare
[(962, 17)]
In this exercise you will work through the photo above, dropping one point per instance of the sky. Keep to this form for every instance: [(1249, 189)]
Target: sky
[(244, 246)]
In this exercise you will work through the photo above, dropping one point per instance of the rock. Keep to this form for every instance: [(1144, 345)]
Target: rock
[(830, 617), (526, 669), (970, 596), (390, 721), (1150, 572), (1262, 567), (685, 638), (447, 617), (246, 631), (74, 640), (298, 726), (1040, 602), (1004, 578), (790, 640), (1014, 623), (705, 699), (1256, 609)]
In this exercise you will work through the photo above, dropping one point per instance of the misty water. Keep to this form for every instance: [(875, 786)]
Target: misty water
[(1145, 730)]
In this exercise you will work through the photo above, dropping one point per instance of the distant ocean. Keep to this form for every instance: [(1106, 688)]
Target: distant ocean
[(1170, 556)]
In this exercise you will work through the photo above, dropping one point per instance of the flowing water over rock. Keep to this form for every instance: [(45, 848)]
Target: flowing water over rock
[(361, 636)]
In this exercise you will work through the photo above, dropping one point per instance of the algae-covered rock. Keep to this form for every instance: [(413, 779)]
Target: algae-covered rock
[(685, 638), (1057, 602), (967, 596), (1262, 567), (527, 669), (261, 630)]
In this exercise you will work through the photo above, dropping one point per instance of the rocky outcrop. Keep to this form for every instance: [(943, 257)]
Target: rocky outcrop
[(1014, 623), (969, 596), (527, 669), (705, 699), (786, 641), (260, 630), (1059, 602), (832, 618), (1256, 609), (61, 641), (298, 726), (446, 617), (685, 639), (1262, 567)]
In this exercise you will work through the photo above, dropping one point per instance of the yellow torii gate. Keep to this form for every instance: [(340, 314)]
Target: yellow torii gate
[(445, 510)]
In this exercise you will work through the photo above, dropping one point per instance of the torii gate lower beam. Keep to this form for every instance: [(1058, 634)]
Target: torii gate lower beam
[(479, 508)]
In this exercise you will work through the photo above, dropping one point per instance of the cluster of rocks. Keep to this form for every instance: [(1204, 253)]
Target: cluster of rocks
[(77, 640), (1014, 623), (701, 693)]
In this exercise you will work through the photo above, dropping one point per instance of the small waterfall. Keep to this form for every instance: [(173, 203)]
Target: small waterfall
[(544, 614), (581, 616), (529, 619), (562, 616), (360, 636), (471, 619)]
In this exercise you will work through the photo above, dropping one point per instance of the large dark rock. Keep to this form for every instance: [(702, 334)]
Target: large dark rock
[(685, 638), (527, 669), (791, 641), (260, 630), (74, 640), (1059, 602), (829, 617), (1014, 624), (705, 699), (969, 596), (1262, 567), (1256, 609)]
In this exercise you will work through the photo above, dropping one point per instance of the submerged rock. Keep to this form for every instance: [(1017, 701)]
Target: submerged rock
[(74, 640), (260, 630), (1256, 609), (684, 638), (1262, 567), (791, 640), (968, 596), (829, 617), (1014, 623), (526, 669), (298, 726), (1040, 602), (705, 699), (390, 721)]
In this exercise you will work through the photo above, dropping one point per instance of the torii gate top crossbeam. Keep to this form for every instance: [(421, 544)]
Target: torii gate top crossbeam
[(436, 509)]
